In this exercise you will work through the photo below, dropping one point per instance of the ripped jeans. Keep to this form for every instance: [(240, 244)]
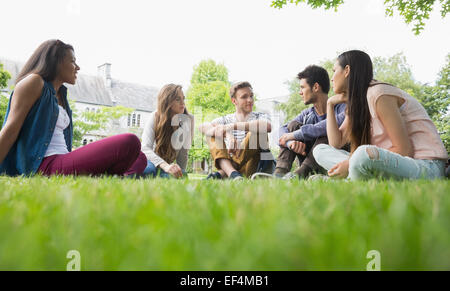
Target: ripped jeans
[(370, 162)]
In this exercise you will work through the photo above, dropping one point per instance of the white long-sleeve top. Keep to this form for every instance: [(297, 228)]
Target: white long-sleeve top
[(181, 148)]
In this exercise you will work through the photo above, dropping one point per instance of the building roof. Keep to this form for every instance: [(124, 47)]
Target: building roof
[(93, 90), (96, 90)]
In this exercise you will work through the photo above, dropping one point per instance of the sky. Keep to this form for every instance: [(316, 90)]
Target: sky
[(159, 42)]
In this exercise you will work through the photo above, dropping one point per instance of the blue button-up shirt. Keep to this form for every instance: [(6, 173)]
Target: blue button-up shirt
[(314, 125)]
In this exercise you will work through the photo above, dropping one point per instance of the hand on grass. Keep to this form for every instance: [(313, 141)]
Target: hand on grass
[(174, 170), (339, 170)]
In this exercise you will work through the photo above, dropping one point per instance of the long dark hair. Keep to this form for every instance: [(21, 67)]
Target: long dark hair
[(163, 121), (361, 74), (45, 59)]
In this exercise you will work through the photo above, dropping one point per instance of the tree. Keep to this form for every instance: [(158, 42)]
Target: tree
[(295, 104), (415, 12), (4, 77), (209, 71), (437, 101), (443, 87), (207, 97), (396, 71), (211, 97), (210, 88), (88, 122), (3, 107)]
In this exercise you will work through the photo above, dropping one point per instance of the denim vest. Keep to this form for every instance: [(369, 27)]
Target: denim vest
[(27, 152)]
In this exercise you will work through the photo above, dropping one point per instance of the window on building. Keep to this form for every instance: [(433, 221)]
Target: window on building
[(87, 111), (129, 120), (84, 141), (90, 140), (138, 120), (134, 120)]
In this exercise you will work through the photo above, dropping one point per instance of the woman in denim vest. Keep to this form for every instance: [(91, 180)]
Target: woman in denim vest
[(36, 136)]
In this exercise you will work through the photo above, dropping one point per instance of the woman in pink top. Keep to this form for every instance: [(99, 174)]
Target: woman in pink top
[(390, 133)]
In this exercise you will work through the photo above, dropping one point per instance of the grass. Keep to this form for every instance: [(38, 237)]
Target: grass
[(223, 225)]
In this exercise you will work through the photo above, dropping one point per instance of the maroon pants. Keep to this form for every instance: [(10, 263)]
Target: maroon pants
[(120, 154)]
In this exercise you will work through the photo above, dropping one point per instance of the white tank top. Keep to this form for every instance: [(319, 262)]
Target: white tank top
[(57, 144)]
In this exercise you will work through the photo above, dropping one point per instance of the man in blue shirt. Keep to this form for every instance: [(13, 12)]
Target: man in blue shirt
[(298, 137)]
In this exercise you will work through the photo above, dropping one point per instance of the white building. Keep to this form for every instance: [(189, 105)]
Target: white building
[(90, 93)]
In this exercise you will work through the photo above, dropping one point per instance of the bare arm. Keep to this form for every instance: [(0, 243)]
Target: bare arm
[(25, 95), (336, 135), (388, 112)]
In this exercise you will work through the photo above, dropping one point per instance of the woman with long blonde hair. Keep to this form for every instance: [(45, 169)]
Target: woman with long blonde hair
[(168, 135)]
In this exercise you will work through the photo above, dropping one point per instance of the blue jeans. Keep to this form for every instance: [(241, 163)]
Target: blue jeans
[(370, 161), (151, 172)]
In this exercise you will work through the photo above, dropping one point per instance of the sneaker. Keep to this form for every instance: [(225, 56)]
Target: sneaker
[(290, 176), (259, 175), (304, 171), (280, 172), (214, 176), (236, 176), (318, 177)]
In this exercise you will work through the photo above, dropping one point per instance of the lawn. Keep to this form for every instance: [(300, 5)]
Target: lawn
[(121, 224)]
